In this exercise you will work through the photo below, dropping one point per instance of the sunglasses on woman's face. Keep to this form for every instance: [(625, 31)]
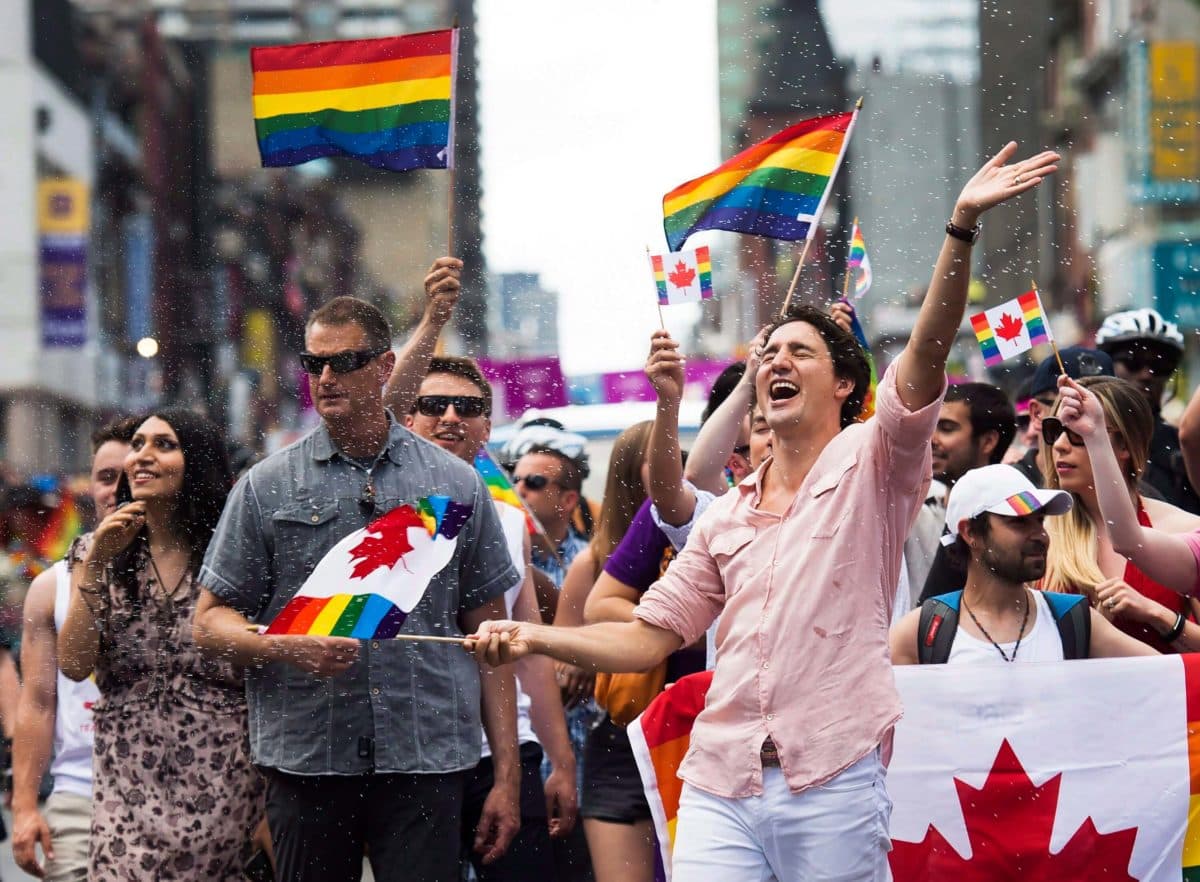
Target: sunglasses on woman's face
[(340, 362), (1053, 429), (466, 406)]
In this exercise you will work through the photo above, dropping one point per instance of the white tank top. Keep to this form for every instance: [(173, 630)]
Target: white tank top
[(1041, 643), (72, 763), (513, 522)]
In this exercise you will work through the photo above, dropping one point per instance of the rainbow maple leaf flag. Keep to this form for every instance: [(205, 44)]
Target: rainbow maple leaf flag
[(388, 102), (1013, 327), (777, 188), (682, 276), (857, 262), (368, 583)]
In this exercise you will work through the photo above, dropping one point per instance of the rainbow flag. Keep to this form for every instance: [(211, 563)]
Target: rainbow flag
[(777, 188), (1013, 327), (682, 276), (62, 527), (860, 335), (858, 263), (660, 739), (387, 102), (387, 565), (501, 487)]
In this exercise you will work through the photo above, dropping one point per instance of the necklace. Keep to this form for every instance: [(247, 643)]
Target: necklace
[(1020, 634), (169, 596)]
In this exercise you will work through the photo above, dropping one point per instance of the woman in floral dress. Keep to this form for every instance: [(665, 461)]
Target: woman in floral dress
[(175, 795)]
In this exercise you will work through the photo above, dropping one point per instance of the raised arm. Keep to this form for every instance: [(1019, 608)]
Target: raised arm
[(664, 367), (442, 287), (921, 371), (1165, 558)]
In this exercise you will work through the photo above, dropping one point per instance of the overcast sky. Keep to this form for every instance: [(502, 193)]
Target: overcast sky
[(589, 114)]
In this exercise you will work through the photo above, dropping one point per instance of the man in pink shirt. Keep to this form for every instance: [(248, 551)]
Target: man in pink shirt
[(784, 775)]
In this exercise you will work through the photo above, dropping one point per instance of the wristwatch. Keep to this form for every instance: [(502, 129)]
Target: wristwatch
[(963, 235)]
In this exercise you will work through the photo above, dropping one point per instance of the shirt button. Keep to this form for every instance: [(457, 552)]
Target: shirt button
[(766, 665), (770, 717), (375, 690), (374, 644), (316, 518)]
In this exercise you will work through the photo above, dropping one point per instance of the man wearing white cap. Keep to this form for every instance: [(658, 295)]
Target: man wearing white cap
[(994, 521)]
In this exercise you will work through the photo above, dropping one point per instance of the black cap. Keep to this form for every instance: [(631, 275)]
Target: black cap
[(1079, 361)]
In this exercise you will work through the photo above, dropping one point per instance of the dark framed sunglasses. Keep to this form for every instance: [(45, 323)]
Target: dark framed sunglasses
[(1053, 429), (340, 362), (466, 406), (1137, 360), (533, 482)]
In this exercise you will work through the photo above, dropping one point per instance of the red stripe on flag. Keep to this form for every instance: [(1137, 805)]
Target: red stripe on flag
[(1028, 300), (979, 322), (334, 52), (665, 721)]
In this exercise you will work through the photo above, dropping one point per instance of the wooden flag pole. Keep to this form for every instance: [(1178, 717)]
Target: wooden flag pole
[(787, 301), (846, 282), (450, 181), (416, 638), (1061, 368)]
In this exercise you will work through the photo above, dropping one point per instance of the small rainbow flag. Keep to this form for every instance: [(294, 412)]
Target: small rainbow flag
[(63, 525), (860, 335), (1013, 327), (387, 102), (858, 263), (682, 276), (389, 563), (660, 739), (776, 188), (501, 487)]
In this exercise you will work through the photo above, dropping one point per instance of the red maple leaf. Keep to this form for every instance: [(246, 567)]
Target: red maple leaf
[(1009, 823), (1009, 327), (683, 275), (385, 542)]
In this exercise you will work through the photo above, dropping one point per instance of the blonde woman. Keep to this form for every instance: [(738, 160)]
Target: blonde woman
[(1084, 557)]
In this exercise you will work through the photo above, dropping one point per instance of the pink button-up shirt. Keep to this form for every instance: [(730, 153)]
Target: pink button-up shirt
[(805, 601)]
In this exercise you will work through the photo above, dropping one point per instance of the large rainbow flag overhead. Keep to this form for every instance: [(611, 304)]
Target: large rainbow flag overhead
[(388, 102), (777, 188)]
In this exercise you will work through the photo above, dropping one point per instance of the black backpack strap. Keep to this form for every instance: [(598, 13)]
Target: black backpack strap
[(1073, 616), (937, 629)]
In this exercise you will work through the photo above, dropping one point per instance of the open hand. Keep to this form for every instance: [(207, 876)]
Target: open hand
[(998, 182), (443, 285), (499, 822), (664, 367)]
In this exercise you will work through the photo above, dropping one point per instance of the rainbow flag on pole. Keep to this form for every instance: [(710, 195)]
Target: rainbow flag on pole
[(860, 335), (501, 487), (682, 276), (858, 263), (387, 102), (777, 188), (1013, 327)]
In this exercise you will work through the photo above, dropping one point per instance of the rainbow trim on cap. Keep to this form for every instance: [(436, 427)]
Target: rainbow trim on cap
[(1023, 503)]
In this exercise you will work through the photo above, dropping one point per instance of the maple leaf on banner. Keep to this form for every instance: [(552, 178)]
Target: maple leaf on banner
[(1009, 328), (385, 542), (1009, 822), (683, 275)]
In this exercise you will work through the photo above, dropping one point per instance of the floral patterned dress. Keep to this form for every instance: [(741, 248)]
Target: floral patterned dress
[(174, 794)]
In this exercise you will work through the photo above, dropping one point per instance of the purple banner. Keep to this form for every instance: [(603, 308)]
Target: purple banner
[(699, 377), (64, 291), (520, 385)]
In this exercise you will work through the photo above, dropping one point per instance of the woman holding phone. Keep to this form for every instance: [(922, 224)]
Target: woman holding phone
[(175, 794)]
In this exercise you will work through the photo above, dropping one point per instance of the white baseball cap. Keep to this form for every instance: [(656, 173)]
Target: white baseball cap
[(1002, 490)]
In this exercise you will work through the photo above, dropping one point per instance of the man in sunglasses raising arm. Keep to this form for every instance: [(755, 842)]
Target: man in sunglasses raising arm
[(365, 744)]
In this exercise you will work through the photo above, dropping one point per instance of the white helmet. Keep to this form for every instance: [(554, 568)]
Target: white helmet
[(1138, 324)]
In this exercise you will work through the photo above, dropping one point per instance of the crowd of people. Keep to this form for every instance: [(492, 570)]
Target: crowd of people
[(788, 551)]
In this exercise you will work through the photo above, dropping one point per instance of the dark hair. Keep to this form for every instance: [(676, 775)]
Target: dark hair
[(351, 310), (120, 431), (725, 383), (990, 411), (206, 482), (849, 360), (468, 369), (959, 553), (572, 477)]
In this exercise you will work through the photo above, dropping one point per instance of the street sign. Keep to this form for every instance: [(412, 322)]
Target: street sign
[(1177, 282)]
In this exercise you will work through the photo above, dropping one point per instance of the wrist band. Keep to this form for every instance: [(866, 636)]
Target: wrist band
[(1176, 629), (963, 235)]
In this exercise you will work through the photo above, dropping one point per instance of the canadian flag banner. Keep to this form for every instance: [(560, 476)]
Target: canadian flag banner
[(1013, 327), (682, 276), (1057, 771)]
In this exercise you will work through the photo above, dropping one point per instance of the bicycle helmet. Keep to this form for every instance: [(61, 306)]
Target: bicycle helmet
[(1142, 325), (548, 433)]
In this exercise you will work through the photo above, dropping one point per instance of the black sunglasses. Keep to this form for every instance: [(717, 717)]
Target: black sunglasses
[(466, 406), (533, 482), (340, 362), (1053, 429), (1136, 361)]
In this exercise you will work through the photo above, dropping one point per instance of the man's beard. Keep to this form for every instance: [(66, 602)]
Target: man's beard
[(1015, 567)]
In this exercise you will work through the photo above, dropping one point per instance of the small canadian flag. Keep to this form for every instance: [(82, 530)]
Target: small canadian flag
[(1013, 327), (682, 276)]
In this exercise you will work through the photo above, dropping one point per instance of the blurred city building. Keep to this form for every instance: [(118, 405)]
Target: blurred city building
[(524, 321)]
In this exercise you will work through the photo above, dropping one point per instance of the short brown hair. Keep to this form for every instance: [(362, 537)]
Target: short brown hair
[(849, 360), (468, 369), (120, 430), (351, 310)]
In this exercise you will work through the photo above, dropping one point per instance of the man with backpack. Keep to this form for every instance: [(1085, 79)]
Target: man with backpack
[(995, 520)]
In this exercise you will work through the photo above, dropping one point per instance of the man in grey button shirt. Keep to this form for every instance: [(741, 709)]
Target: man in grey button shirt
[(363, 743)]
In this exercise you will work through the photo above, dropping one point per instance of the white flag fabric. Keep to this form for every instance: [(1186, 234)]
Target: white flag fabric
[(682, 276), (1057, 771)]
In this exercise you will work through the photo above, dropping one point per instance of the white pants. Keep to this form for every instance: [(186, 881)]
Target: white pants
[(834, 833)]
